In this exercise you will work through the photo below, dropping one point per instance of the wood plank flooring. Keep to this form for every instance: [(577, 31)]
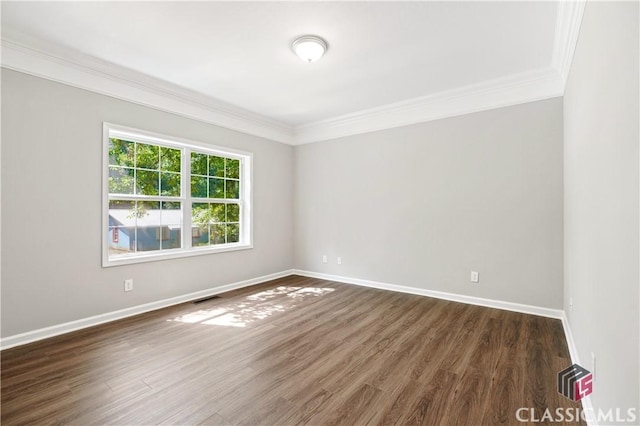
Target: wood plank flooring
[(293, 351)]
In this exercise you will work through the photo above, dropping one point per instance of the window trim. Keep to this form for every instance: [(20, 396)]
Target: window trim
[(246, 172)]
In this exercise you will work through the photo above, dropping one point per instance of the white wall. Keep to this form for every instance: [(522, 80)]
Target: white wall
[(420, 205), (51, 208), (423, 205), (601, 200)]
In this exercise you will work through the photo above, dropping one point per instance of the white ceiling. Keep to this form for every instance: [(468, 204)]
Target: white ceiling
[(379, 53)]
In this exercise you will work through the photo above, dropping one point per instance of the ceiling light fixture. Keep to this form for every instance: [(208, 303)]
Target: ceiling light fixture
[(309, 48)]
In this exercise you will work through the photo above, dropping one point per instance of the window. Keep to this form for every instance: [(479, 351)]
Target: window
[(166, 198)]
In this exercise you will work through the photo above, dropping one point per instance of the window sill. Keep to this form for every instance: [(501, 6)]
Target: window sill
[(172, 254)]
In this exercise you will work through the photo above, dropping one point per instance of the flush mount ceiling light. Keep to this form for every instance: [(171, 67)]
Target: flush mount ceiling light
[(309, 48)]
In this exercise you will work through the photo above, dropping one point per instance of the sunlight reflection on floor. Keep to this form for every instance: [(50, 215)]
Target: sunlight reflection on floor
[(254, 307)]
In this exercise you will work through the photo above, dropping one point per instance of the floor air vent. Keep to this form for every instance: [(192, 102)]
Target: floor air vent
[(206, 299)]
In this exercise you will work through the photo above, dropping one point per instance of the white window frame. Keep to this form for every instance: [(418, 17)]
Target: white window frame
[(186, 146)]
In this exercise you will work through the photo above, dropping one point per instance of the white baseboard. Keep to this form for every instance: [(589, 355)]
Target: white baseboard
[(55, 330), (587, 406), (490, 303)]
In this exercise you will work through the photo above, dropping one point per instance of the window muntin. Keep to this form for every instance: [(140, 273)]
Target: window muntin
[(143, 226), (215, 181), (143, 169), (157, 188), (218, 223)]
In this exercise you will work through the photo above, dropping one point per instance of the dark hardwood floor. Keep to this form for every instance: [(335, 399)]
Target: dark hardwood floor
[(292, 351)]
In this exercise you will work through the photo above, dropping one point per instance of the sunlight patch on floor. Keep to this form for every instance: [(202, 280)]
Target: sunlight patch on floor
[(270, 294), (200, 316), (254, 307), (229, 320)]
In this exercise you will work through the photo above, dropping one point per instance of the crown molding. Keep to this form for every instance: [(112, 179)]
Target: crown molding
[(86, 72), (511, 90), (64, 65), (568, 23)]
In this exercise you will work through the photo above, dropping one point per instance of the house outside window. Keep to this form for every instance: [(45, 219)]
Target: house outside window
[(166, 197)]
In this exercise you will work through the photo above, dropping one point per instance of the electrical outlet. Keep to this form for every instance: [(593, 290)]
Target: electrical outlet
[(128, 284), (324, 258), (339, 261), (571, 304), (475, 277)]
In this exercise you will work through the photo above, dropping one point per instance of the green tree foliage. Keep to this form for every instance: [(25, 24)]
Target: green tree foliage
[(214, 177), (121, 153), (232, 168), (208, 213), (144, 169), (218, 220), (216, 166)]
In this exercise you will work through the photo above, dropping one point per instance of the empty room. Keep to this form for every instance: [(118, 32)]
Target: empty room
[(345, 213)]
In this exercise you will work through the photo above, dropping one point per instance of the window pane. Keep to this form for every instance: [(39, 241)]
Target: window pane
[(147, 156), (171, 223), (216, 166), (217, 234), (171, 205), (199, 186), (170, 184), (216, 211), (198, 164), (121, 153), (122, 227), (216, 188), (233, 213), (233, 189), (147, 220), (147, 213), (200, 214), (170, 159), (147, 182), (233, 233), (147, 238), (121, 205), (120, 180), (200, 236), (120, 240), (233, 168)]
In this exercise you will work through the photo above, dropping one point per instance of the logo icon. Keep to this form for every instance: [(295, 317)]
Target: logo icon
[(575, 382)]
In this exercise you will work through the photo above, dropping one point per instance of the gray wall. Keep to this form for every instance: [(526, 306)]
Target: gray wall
[(601, 200), (423, 205), (51, 185)]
